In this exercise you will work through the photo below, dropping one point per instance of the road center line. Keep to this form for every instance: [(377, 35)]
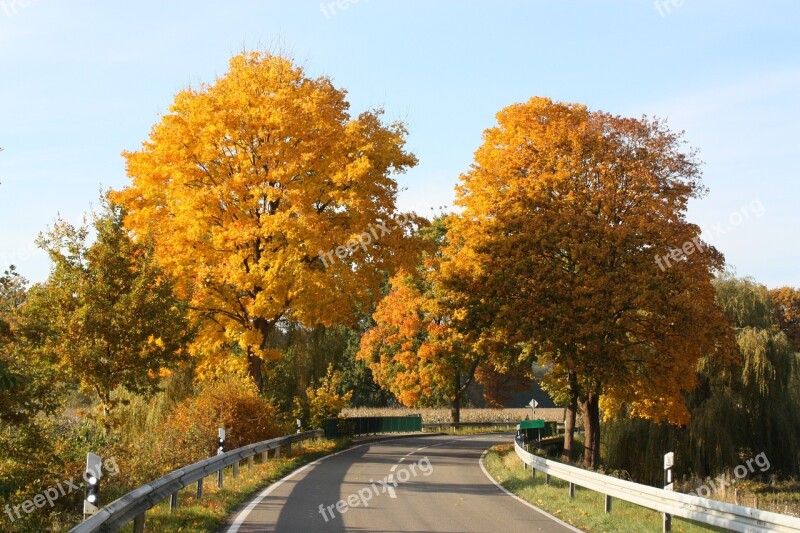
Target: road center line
[(392, 493)]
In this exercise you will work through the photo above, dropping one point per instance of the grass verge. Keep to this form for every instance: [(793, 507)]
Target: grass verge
[(586, 511), (217, 504)]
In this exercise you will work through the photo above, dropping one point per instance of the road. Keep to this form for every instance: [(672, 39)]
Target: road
[(421, 484)]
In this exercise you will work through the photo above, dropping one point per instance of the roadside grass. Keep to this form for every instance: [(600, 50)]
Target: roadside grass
[(586, 511), (217, 505)]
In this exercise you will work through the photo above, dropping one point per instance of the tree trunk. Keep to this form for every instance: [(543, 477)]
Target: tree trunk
[(591, 425), (569, 422), (455, 407), (254, 369), (265, 327)]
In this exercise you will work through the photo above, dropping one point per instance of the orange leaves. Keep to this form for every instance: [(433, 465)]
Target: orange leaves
[(564, 211), (412, 352), (246, 180)]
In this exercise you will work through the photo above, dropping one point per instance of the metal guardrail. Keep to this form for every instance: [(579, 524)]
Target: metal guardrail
[(703, 510), (136, 503)]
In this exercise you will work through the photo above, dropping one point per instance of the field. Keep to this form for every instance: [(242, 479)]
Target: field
[(435, 415)]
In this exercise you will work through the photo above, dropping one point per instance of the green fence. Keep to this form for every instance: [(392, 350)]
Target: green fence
[(362, 425), (534, 430)]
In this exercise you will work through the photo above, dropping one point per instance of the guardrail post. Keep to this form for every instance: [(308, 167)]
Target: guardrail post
[(250, 461), (138, 524), (572, 491), (219, 477), (608, 504), (200, 489), (669, 462), (173, 501), (236, 469), (547, 479), (265, 456), (533, 472), (289, 449), (278, 452)]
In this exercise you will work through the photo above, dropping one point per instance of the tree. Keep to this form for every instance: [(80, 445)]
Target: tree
[(745, 404), (113, 318), (573, 239), (415, 350), (12, 294), (414, 353), (268, 202), (787, 306), (322, 402)]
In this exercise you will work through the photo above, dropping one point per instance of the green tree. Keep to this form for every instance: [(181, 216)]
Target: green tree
[(114, 319), (29, 382)]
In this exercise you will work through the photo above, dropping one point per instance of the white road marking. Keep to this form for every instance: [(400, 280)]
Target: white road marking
[(529, 504), (393, 468), (242, 516), (269, 490)]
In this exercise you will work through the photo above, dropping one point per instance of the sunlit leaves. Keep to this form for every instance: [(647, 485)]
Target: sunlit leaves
[(247, 182), (564, 213)]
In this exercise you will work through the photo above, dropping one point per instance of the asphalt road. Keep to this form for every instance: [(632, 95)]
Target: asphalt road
[(421, 484)]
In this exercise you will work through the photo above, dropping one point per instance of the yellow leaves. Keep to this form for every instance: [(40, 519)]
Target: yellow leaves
[(155, 341), (324, 401), (246, 179)]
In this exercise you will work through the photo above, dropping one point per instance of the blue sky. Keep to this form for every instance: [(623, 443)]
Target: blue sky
[(81, 81)]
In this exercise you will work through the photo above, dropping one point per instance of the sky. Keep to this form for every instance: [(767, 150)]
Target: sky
[(82, 81)]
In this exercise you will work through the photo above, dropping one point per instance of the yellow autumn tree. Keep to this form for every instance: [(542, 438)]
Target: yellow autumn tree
[(416, 350), (413, 351), (573, 240), (267, 201)]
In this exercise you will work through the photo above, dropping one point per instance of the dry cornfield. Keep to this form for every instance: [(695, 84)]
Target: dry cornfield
[(434, 415)]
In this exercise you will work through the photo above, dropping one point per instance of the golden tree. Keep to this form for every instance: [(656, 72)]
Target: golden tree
[(417, 351), (414, 352), (268, 202), (573, 239)]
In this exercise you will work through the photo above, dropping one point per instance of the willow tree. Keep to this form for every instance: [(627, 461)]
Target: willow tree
[(268, 202), (573, 239), (745, 405)]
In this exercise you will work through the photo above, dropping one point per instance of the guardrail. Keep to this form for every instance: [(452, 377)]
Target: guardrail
[(136, 503), (702, 510)]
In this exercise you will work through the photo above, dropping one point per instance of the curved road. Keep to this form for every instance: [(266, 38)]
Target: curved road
[(422, 484)]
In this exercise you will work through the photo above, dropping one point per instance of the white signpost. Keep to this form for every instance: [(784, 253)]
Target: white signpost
[(92, 476), (669, 462), (221, 442)]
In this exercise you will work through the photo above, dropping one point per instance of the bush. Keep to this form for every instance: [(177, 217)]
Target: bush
[(323, 402), (189, 434)]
